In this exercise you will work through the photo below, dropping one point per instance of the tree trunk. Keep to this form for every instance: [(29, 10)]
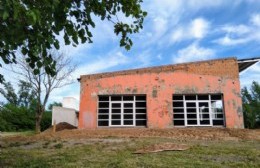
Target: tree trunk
[(38, 118), (37, 124)]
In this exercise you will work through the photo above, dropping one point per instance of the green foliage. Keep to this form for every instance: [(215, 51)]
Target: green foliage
[(18, 114), (16, 118), (251, 105), (54, 104), (46, 121), (9, 93), (24, 97), (34, 26)]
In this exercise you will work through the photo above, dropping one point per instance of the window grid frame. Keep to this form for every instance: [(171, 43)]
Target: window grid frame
[(122, 108), (183, 109)]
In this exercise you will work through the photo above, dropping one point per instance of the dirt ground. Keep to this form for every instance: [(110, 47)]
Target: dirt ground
[(60, 127), (142, 147), (174, 133)]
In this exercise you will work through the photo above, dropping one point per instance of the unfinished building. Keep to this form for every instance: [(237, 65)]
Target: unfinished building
[(205, 93)]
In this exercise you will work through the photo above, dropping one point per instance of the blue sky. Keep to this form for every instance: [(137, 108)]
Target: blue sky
[(175, 31)]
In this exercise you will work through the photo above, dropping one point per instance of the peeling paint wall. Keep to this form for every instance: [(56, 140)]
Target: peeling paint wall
[(159, 84)]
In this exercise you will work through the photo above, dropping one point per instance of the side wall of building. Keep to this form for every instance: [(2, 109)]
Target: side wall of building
[(159, 84), (62, 114)]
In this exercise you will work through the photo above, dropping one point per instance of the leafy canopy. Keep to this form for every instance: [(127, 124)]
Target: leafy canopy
[(23, 98), (33, 26), (251, 105), (19, 110), (59, 104)]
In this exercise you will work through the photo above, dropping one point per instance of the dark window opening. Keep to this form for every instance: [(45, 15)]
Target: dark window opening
[(198, 110), (140, 104), (103, 123), (177, 97), (103, 98), (116, 98), (103, 105), (140, 122), (122, 110)]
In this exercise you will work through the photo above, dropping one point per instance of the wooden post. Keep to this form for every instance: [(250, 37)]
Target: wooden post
[(54, 127)]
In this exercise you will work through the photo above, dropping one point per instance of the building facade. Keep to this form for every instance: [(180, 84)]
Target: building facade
[(205, 93)]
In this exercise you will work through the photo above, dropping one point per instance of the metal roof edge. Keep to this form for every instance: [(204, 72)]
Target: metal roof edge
[(248, 59)]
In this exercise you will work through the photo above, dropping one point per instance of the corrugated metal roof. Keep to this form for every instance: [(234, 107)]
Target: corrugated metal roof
[(243, 64)]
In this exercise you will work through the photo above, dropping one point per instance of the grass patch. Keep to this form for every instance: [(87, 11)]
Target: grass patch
[(58, 146), (15, 144), (46, 144), (120, 154)]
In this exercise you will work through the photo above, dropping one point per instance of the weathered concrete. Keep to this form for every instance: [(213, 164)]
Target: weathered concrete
[(70, 102), (62, 114), (159, 84)]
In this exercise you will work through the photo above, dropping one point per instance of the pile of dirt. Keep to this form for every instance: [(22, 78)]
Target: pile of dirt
[(60, 127), (175, 133), (67, 131)]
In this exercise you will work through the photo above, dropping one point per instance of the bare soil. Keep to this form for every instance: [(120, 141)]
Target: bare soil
[(60, 127), (174, 133)]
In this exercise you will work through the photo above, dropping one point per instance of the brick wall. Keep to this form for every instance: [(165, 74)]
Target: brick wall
[(215, 76), (211, 67)]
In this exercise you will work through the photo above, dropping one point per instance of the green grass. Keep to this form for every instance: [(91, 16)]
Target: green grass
[(120, 154)]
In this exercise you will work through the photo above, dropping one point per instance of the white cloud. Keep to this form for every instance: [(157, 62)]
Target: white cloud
[(256, 69), (197, 29), (160, 26), (239, 29), (114, 58), (143, 59), (66, 91), (163, 8), (193, 53), (164, 16), (103, 32), (100, 64), (250, 75), (195, 4), (227, 41), (166, 8), (240, 34), (255, 19), (177, 35)]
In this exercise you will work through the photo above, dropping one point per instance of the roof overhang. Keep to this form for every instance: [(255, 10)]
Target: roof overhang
[(243, 64)]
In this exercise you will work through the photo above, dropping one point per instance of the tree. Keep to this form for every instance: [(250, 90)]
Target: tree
[(43, 83), (23, 97), (26, 94), (34, 26), (251, 105), (54, 104), (17, 113), (16, 118), (9, 93)]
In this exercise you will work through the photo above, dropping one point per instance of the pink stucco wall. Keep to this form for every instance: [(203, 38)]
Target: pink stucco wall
[(159, 88)]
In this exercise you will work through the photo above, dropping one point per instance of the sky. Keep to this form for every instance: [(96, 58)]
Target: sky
[(174, 31)]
